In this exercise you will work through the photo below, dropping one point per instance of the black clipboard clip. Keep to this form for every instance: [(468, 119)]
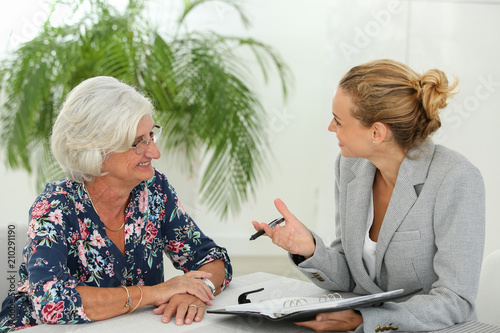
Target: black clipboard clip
[(242, 299)]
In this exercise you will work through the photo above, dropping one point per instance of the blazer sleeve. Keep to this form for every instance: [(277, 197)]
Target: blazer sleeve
[(327, 267), (459, 226)]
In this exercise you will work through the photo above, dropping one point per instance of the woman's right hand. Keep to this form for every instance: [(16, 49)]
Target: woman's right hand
[(189, 283), (294, 237)]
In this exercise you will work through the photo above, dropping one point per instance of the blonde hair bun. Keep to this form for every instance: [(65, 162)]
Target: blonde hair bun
[(390, 92)]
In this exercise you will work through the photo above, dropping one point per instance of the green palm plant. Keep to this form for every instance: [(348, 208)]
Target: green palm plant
[(196, 80)]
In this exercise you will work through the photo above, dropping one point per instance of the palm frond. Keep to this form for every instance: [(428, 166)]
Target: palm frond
[(197, 81), (190, 5)]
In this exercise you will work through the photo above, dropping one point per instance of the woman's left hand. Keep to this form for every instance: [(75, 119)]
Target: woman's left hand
[(346, 320), (179, 305)]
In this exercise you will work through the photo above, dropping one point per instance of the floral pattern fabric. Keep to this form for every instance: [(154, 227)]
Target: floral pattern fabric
[(68, 247)]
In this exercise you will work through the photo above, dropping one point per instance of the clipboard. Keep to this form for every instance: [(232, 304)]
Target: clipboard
[(296, 310)]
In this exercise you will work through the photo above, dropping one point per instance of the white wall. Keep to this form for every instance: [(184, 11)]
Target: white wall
[(321, 40)]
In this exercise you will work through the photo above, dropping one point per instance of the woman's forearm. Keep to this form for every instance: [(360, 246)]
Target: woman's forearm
[(104, 303), (218, 271)]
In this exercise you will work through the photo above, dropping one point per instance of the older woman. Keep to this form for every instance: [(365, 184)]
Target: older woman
[(409, 214), (96, 239)]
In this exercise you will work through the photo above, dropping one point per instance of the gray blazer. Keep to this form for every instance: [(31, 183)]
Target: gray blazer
[(431, 241)]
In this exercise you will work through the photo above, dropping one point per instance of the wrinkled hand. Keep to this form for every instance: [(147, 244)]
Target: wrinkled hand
[(346, 320), (190, 283), (179, 306), (294, 237)]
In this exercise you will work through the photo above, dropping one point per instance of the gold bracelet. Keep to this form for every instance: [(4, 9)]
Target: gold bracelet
[(129, 300), (140, 300)]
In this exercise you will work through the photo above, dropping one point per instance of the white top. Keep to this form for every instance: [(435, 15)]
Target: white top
[(369, 246)]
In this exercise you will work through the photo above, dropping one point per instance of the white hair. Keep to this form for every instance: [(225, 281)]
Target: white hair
[(99, 116)]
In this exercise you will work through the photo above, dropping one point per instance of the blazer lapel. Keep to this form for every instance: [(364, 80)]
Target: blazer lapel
[(411, 176), (359, 191)]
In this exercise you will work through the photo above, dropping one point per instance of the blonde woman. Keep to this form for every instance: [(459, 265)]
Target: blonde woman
[(409, 214)]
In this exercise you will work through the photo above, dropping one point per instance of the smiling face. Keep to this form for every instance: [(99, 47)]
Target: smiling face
[(355, 140), (128, 169)]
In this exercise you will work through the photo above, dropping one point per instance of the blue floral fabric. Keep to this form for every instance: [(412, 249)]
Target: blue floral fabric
[(67, 247)]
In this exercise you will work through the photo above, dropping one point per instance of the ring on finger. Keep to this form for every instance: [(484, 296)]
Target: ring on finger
[(194, 306)]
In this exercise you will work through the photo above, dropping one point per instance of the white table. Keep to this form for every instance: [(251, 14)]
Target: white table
[(143, 320)]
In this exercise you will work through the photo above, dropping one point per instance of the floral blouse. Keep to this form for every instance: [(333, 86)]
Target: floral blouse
[(68, 247)]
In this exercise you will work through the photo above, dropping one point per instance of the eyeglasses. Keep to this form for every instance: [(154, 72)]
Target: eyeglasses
[(154, 136)]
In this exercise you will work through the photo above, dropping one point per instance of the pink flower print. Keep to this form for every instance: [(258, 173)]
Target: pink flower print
[(47, 285), (40, 209), (129, 230), (70, 284), (81, 253), (109, 270), (74, 237), (37, 302), (175, 246), (83, 229), (26, 324), (24, 288), (33, 228), (78, 207), (139, 223), (143, 201), (81, 312), (97, 240), (56, 216), (151, 232), (179, 259), (52, 312), (60, 192)]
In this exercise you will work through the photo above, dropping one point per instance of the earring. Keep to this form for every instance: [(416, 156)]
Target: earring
[(373, 141)]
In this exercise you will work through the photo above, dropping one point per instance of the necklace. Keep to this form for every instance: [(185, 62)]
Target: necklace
[(105, 226), (115, 229)]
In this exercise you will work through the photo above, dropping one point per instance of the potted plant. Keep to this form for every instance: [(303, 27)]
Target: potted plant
[(197, 81)]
